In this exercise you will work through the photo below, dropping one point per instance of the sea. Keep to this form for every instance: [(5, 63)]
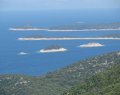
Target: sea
[(37, 64)]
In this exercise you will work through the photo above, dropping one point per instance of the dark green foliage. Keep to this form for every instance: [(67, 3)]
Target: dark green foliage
[(52, 47), (2, 91), (55, 83), (104, 83)]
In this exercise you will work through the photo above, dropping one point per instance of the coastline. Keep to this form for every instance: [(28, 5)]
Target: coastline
[(97, 38), (81, 30), (60, 30), (29, 29)]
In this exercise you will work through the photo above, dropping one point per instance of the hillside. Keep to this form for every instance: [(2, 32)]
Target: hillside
[(55, 83), (104, 83)]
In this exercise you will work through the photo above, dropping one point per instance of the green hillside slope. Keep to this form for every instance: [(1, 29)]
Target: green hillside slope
[(55, 83), (104, 83)]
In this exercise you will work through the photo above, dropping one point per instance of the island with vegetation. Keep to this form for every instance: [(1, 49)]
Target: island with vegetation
[(74, 27), (53, 48), (91, 44), (29, 28), (87, 27), (66, 38), (40, 37), (99, 75)]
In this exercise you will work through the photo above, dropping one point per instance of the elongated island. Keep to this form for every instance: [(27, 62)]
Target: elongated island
[(67, 38), (27, 28), (73, 27)]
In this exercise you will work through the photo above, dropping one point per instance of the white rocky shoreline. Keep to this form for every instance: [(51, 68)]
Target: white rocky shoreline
[(65, 30), (22, 53), (91, 44), (96, 38), (59, 30), (28, 29)]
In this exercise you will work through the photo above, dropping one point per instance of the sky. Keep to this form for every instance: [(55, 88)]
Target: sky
[(58, 4)]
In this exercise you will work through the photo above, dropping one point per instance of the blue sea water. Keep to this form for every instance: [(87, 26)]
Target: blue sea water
[(37, 63)]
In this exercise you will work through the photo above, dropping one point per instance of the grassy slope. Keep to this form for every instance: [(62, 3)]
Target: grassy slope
[(55, 83)]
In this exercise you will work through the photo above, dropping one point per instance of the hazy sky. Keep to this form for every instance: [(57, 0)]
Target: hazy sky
[(57, 4)]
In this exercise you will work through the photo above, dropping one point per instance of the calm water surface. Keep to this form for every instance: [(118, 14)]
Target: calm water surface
[(37, 63)]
